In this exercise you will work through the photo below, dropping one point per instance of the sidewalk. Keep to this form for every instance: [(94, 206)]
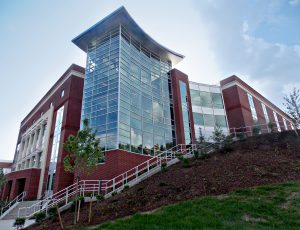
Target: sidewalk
[(8, 224)]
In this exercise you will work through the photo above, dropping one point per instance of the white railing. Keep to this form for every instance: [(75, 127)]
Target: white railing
[(261, 128), (108, 187), (19, 198)]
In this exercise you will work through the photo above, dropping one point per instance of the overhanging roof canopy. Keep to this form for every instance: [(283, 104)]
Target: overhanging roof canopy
[(122, 17)]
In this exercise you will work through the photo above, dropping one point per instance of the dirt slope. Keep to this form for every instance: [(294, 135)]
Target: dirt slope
[(256, 161)]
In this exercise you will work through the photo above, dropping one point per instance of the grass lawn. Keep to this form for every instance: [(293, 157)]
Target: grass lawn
[(265, 207)]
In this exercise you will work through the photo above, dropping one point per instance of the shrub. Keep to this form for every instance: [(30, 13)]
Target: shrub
[(114, 193), (19, 222), (179, 156), (52, 212), (39, 217), (164, 166), (196, 154), (186, 163), (256, 130), (227, 144), (100, 197), (271, 127)]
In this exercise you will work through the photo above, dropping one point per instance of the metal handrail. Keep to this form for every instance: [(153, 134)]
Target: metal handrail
[(19, 198), (108, 187)]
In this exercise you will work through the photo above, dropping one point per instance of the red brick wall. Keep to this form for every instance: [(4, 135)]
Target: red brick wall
[(70, 126), (31, 177), (238, 107), (116, 162), (177, 76)]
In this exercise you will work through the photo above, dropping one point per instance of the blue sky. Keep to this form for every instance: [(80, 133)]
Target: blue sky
[(257, 40)]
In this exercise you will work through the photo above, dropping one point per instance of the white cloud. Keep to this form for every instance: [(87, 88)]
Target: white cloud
[(294, 2), (269, 67)]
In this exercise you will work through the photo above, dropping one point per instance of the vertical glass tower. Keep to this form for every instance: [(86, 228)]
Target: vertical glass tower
[(127, 89)]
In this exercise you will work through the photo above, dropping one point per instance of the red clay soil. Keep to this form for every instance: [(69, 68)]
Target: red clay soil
[(271, 158)]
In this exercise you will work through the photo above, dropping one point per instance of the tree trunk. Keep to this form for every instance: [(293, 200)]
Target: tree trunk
[(75, 212), (60, 220), (78, 211), (90, 211)]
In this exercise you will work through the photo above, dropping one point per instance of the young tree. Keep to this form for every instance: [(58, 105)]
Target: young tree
[(292, 105), (2, 179), (84, 152), (218, 135)]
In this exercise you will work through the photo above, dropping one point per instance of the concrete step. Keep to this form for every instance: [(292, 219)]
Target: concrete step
[(13, 214)]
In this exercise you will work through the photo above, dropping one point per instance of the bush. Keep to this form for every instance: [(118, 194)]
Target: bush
[(114, 193), (256, 130), (100, 197), (179, 156), (196, 154), (186, 163), (19, 222), (271, 127), (164, 166), (227, 144), (52, 212), (39, 217)]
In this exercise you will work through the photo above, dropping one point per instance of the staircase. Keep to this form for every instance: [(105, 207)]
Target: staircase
[(13, 213), (11, 205), (131, 177)]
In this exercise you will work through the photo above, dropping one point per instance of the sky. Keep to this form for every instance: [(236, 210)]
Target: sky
[(259, 41)]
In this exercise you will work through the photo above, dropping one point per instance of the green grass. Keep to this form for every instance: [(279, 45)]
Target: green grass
[(266, 207)]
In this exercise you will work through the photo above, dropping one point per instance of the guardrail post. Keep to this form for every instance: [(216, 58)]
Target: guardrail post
[(136, 172), (83, 187), (99, 187), (67, 194), (148, 166), (114, 185)]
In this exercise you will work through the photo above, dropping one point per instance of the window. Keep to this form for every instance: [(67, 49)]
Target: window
[(209, 120), (276, 121), (217, 100), (220, 120), (206, 99), (198, 118), (195, 97), (252, 108), (62, 93), (265, 113), (284, 122), (185, 111)]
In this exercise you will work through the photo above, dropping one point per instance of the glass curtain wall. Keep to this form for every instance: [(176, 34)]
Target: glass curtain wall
[(101, 88), (127, 95), (55, 149), (208, 109), (145, 124), (185, 112)]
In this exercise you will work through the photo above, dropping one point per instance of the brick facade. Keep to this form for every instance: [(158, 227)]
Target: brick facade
[(177, 76), (238, 110)]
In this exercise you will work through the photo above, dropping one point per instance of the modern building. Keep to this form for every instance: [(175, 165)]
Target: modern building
[(137, 103), (38, 162), (246, 108)]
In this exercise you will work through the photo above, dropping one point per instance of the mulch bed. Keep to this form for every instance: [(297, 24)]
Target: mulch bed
[(256, 161)]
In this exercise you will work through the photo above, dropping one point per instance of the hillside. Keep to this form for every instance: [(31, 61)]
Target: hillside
[(267, 159), (264, 207)]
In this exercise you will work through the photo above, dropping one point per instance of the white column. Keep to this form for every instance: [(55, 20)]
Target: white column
[(29, 144), (40, 136), (35, 139)]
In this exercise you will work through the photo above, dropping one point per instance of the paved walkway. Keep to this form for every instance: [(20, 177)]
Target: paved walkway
[(8, 224)]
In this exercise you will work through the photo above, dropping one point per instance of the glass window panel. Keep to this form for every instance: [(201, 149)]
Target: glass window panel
[(220, 120), (217, 100), (206, 99), (209, 120), (198, 118)]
